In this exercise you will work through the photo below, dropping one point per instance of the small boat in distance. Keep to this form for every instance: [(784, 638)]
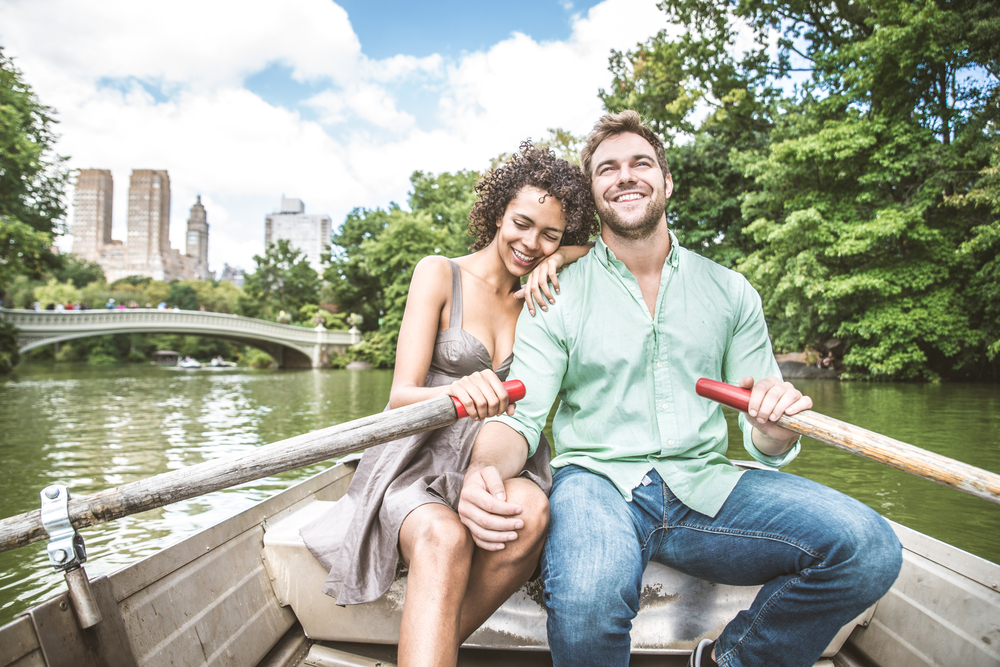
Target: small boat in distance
[(189, 362)]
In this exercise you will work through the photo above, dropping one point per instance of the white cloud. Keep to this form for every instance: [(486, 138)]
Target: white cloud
[(241, 153)]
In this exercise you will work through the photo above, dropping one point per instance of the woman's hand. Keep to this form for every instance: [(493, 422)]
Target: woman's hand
[(537, 287), (482, 394)]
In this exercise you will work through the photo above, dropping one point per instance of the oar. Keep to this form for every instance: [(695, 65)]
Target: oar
[(277, 457), (900, 455)]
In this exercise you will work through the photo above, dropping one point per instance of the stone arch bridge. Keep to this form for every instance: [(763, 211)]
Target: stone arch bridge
[(291, 346)]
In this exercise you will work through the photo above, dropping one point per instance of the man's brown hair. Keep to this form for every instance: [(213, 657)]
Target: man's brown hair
[(614, 124)]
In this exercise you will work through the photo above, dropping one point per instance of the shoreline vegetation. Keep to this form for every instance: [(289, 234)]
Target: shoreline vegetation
[(848, 166)]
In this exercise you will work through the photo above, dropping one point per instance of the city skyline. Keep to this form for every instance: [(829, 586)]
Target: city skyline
[(146, 250)]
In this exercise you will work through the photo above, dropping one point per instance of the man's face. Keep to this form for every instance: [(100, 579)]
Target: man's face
[(629, 188)]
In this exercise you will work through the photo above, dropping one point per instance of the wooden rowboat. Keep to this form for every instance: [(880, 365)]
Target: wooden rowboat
[(246, 593)]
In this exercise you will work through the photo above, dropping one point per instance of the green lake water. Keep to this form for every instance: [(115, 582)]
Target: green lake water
[(95, 428)]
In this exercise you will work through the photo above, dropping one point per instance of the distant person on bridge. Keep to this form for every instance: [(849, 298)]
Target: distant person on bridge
[(455, 340)]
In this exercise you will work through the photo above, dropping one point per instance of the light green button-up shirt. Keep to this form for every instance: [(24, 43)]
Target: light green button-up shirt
[(626, 379)]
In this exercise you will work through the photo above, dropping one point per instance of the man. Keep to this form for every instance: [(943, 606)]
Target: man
[(640, 467)]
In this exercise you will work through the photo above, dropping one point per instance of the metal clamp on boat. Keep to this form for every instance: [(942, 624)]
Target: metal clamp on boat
[(68, 553)]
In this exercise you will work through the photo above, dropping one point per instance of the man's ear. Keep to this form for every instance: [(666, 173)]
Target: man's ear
[(668, 185)]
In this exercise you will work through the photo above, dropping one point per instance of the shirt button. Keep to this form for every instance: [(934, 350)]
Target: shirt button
[(664, 406), (659, 365), (670, 442)]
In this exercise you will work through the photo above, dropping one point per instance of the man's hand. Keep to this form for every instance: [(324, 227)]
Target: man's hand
[(770, 399), (484, 509)]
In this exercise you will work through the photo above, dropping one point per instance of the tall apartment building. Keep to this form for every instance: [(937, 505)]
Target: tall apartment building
[(146, 251), (148, 240), (197, 240), (92, 213), (308, 233)]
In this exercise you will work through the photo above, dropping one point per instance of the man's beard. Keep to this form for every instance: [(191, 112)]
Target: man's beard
[(638, 230)]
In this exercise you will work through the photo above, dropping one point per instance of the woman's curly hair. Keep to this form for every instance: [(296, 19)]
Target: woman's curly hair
[(539, 168)]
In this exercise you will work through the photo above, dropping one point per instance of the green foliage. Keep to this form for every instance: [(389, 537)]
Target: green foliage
[(375, 251), (377, 348), (982, 248), (22, 251), (9, 356), (78, 272), (828, 196), (32, 178), (350, 282), (255, 358), (283, 281), (55, 292), (182, 296)]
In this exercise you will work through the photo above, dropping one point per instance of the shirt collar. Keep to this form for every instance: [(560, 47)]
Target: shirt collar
[(607, 258)]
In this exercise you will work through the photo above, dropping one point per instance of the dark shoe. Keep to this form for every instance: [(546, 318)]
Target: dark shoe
[(702, 655)]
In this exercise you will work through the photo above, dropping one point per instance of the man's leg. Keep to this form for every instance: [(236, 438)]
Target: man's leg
[(592, 567), (821, 557)]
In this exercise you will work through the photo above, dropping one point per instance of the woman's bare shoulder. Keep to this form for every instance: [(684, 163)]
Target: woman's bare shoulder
[(432, 276)]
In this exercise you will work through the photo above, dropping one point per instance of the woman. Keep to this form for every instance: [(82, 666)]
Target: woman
[(456, 339)]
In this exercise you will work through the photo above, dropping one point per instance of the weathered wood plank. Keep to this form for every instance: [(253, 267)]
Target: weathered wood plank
[(875, 446), (271, 459)]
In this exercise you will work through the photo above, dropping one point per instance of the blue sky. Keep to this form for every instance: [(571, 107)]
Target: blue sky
[(243, 101)]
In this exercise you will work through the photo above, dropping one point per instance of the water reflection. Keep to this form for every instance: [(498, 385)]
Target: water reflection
[(92, 428)]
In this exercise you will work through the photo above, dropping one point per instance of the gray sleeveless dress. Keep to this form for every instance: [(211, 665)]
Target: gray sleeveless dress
[(357, 538)]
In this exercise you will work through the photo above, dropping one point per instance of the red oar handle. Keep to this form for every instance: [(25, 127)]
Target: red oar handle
[(515, 392), (726, 394)]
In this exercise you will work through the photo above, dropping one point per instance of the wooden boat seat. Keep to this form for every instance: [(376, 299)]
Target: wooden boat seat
[(676, 610)]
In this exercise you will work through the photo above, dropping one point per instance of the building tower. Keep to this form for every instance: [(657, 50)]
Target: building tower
[(197, 240), (92, 213), (148, 223), (308, 233)]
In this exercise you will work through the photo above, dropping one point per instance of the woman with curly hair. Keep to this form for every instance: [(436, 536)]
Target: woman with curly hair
[(456, 339)]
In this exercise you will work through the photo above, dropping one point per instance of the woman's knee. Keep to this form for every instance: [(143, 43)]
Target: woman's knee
[(534, 507), (438, 531)]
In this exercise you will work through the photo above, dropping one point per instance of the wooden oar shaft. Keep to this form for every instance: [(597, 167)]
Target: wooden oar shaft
[(875, 446), (277, 457)]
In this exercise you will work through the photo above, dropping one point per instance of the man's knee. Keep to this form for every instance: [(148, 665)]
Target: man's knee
[(877, 555)]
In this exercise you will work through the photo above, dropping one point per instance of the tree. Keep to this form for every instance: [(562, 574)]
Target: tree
[(283, 281), (80, 272), (350, 281), (9, 355), (828, 194), (33, 178), (22, 251)]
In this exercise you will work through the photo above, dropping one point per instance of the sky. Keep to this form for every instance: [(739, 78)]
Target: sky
[(333, 103)]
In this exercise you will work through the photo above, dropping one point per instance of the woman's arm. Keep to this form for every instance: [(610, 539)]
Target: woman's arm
[(536, 288), (430, 288), (482, 393)]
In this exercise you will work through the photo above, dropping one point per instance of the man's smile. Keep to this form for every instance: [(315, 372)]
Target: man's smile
[(628, 196)]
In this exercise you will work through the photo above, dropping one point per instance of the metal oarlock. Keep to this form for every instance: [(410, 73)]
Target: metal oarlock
[(67, 553)]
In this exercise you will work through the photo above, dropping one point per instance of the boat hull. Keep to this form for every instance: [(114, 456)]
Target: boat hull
[(217, 598)]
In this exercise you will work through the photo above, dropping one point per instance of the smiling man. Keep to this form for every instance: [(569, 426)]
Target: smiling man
[(641, 471)]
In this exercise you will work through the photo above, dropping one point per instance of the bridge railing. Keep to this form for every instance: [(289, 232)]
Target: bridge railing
[(53, 322)]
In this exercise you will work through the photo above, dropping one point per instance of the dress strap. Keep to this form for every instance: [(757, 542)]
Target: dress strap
[(455, 318)]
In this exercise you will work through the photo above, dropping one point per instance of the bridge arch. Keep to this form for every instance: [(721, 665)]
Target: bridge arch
[(291, 346)]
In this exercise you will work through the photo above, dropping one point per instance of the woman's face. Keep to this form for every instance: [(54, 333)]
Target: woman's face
[(530, 230)]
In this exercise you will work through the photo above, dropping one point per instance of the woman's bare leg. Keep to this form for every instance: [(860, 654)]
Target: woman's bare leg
[(495, 575), (438, 550)]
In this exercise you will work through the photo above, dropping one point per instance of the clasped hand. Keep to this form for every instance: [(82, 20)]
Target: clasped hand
[(484, 509), (482, 394)]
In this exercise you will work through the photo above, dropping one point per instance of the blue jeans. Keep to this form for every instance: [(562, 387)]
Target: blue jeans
[(821, 558)]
